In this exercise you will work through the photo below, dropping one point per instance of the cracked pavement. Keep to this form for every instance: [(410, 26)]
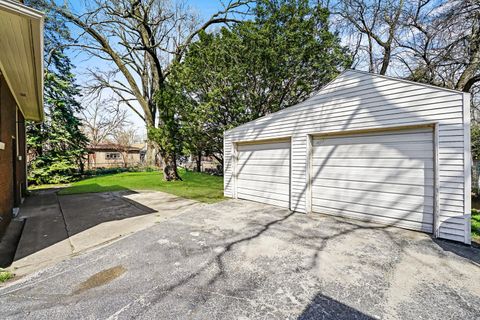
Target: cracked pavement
[(243, 260)]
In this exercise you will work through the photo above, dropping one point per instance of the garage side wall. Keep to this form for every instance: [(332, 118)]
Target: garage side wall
[(362, 101)]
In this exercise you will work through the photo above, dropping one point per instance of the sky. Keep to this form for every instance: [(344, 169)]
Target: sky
[(83, 62)]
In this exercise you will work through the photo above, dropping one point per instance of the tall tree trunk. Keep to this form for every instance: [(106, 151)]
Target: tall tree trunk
[(170, 172), (150, 154), (199, 161)]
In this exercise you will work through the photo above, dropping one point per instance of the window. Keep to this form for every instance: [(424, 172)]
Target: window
[(112, 156)]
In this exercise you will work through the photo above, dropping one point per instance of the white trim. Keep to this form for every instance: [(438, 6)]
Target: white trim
[(393, 127), (264, 140), (20, 9), (290, 160), (467, 167), (234, 168), (404, 80), (436, 183), (319, 92), (308, 175)]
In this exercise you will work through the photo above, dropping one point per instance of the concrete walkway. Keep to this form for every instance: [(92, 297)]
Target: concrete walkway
[(58, 227), (243, 260)]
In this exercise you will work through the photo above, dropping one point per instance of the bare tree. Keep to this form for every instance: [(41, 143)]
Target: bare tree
[(443, 43), (375, 24), (101, 118), (142, 38), (124, 138)]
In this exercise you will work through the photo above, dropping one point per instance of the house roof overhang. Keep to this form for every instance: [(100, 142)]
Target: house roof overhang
[(21, 56)]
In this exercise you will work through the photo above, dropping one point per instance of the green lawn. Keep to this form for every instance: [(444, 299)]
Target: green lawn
[(5, 275), (197, 186), (476, 225)]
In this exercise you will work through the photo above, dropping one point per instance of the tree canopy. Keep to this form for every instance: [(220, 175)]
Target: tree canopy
[(254, 68), (57, 145)]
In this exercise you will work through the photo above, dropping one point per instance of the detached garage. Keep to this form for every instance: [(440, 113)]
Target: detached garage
[(365, 147)]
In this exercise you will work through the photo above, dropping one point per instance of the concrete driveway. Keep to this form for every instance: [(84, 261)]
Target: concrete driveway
[(59, 227), (243, 260)]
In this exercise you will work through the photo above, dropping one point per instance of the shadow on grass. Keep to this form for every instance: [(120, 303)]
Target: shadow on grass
[(90, 188), (196, 186)]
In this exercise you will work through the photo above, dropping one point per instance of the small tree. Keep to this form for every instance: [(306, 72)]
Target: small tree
[(101, 119), (124, 138), (252, 69)]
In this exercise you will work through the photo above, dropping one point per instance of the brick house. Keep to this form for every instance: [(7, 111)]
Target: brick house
[(21, 97)]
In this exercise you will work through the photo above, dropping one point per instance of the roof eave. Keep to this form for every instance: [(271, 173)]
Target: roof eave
[(35, 20)]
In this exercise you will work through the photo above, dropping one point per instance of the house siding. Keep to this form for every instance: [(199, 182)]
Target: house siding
[(361, 101), (8, 129)]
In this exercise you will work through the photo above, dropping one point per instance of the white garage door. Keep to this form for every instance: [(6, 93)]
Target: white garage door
[(386, 177), (263, 172)]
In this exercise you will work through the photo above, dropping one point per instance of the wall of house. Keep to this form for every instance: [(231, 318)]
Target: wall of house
[(357, 101), (9, 131)]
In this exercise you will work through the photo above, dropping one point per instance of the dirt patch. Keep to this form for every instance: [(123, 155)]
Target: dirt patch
[(100, 278)]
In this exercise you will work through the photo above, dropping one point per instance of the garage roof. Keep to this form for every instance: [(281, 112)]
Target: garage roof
[(318, 94), (21, 56)]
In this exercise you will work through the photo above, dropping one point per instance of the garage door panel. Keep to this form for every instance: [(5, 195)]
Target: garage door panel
[(384, 138), (416, 216), (399, 203), (367, 196), (414, 225), (385, 176), (359, 177), (263, 173), (264, 194), (382, 163), (415, 151), (263, 178), (271, 201), (387, 173), (274, 171), (281, 147), (265, 162), (364, 186), (271, 186), (274, 154)]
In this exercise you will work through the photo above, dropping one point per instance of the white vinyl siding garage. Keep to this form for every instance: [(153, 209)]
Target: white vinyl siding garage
[(386, 177), (263, 171), (361, 102)]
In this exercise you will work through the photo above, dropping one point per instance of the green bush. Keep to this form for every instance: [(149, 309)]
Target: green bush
[(42, 171), (5, 275)]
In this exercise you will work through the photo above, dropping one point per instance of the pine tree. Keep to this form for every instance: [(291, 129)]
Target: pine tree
[(56, 146)]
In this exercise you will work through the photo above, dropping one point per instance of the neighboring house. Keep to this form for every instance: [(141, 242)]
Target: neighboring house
[(21, 97), (364, 147), (109, 155)]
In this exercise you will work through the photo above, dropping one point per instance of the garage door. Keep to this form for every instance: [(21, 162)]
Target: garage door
[(386, 177), (263, 172)]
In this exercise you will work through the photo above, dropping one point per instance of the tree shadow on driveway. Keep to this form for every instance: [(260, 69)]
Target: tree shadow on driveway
[(51, 219), (323, 307)]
